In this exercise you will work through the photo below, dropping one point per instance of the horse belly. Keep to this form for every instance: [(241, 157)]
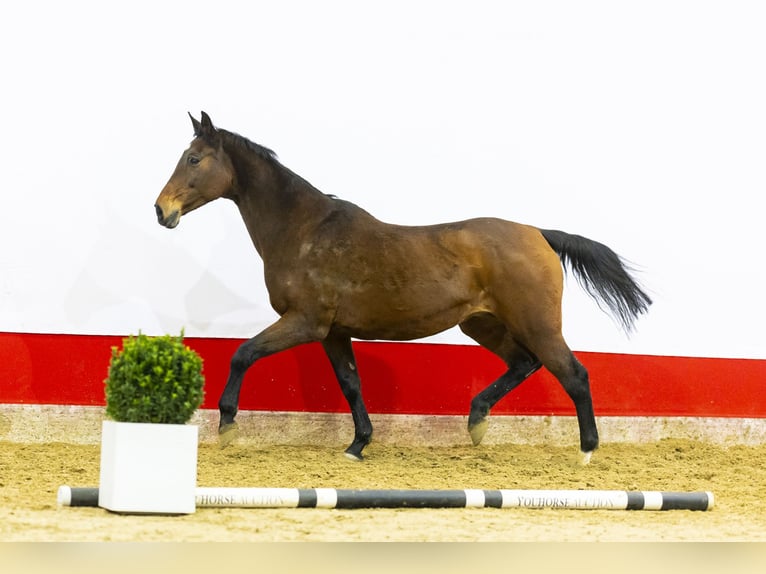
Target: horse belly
[(403, 316), (407, 283)]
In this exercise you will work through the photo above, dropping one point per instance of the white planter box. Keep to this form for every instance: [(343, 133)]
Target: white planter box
[(148, 468)]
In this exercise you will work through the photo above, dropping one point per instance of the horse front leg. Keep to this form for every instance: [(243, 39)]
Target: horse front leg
[(341, 355), (289, 331)]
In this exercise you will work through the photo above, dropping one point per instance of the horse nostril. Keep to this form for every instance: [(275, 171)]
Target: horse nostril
[(158, 209)]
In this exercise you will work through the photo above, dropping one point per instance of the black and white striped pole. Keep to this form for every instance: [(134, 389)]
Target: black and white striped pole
[(393, 498)]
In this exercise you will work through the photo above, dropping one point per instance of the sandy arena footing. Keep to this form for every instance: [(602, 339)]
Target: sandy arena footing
[(82, 425)]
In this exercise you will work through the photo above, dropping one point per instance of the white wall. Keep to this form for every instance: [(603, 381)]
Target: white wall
[(639, 124)]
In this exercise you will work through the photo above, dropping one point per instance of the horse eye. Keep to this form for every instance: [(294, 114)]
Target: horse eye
[(193, 160)]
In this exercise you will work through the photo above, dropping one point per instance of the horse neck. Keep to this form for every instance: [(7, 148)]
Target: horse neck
[(276, 205)]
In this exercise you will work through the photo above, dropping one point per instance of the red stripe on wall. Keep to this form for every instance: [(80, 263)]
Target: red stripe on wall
[(397, 378)]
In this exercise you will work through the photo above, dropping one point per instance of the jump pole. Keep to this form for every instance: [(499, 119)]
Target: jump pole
[(470, 498)]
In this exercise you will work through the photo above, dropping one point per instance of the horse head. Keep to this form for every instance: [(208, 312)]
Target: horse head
[(203, 173)]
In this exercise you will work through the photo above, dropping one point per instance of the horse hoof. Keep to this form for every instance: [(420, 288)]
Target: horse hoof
[(227, 433), (477, 431), (354, 457), (585, 458)]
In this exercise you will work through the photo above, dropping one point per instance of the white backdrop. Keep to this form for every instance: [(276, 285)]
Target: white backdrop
[(639, 124)]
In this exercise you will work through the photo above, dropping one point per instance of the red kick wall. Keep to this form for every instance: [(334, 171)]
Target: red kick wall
[(400, 378)]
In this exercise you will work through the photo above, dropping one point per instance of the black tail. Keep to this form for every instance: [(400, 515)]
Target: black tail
[(603, 275)]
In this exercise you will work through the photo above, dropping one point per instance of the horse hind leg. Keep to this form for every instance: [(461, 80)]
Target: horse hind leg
[(518, 371), (561, 362), (338, 349), (492, 334)]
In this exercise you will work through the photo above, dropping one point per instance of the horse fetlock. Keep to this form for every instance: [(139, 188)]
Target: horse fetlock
[(227, 413), (479, 411), (589, 442)]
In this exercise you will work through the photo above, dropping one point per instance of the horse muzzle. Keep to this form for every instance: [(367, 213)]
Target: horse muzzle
[(169, 221)]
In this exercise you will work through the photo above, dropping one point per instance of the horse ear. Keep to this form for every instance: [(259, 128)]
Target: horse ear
[(207, 123), (196, 124), (205, 128)]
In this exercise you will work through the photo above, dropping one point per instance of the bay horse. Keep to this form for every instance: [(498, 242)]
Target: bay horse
[(334, 272)]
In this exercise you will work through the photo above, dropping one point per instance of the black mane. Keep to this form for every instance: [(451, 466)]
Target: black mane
[(241, 142), (236, 142)]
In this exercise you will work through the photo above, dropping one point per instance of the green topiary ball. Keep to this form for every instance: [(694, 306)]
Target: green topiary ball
[(154, 380)]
